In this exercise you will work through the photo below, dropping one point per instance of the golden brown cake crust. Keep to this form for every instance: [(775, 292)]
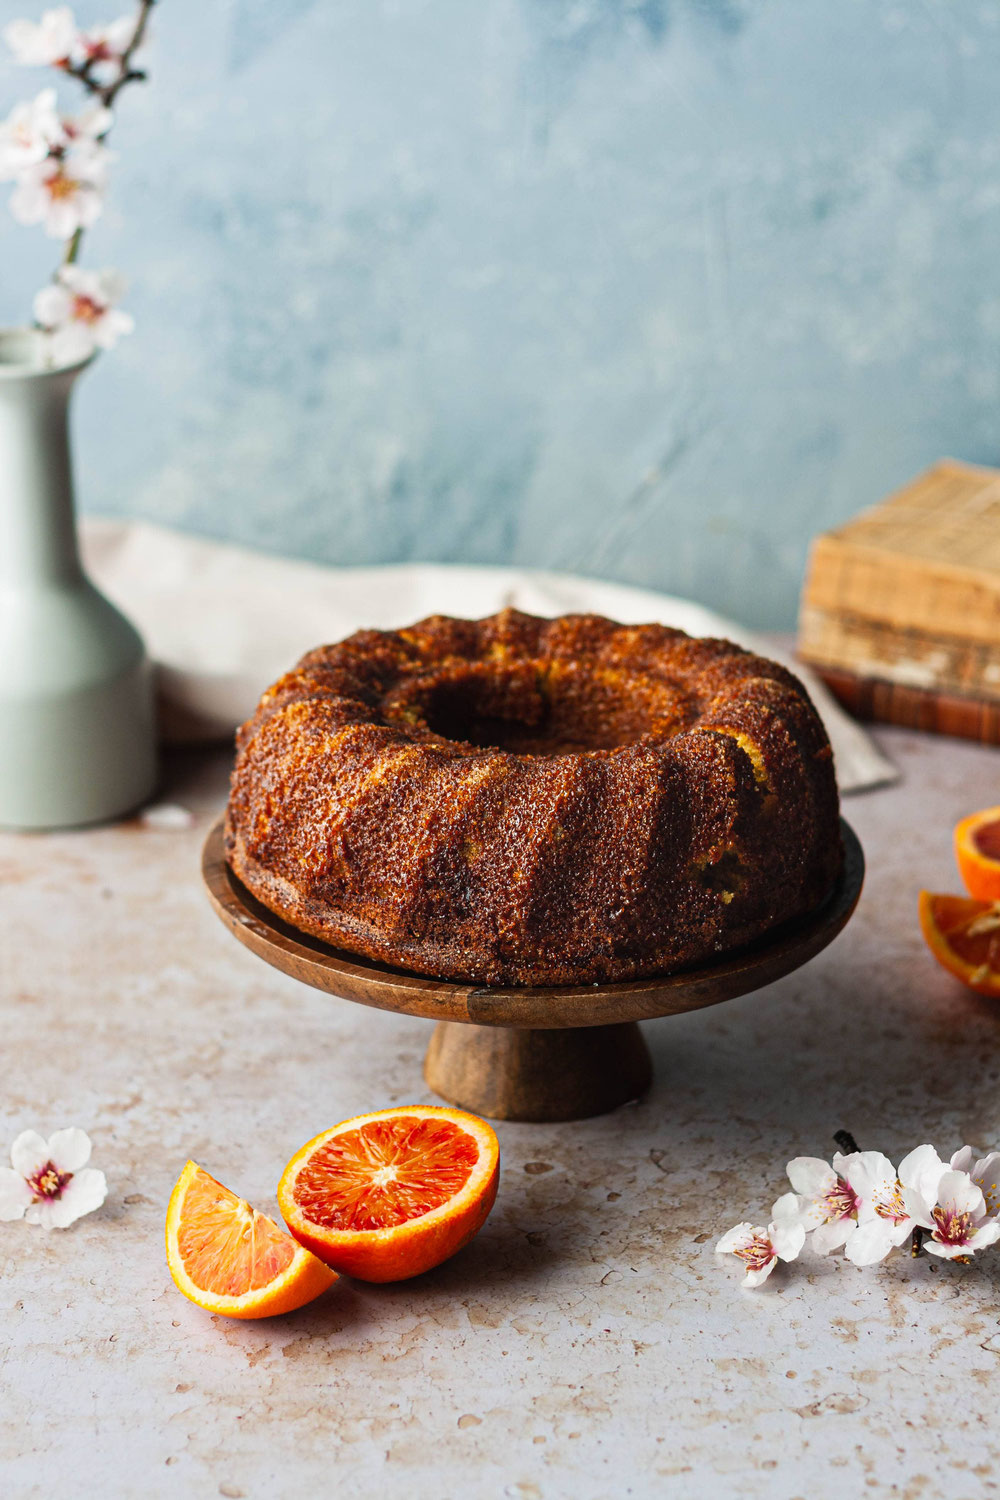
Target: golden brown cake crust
[(526, 801)]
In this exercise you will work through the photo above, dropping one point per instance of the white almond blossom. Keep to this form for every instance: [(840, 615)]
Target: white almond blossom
[(64, 193), (50, 1182), (826, 1200), (47, 43), (761, 1249), (861, 1202), (985, 1173), (89, 126), (79, 314), (955, 1215), (107, 43), (58, 164), (28, 134), (884, 1221)]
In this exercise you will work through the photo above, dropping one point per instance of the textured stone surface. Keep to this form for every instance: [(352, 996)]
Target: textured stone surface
[(588, 1343), (644, 289)]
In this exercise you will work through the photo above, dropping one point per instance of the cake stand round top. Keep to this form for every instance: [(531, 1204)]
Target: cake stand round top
[(354, 978)]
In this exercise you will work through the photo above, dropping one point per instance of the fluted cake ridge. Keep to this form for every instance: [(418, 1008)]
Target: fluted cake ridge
[(525, 801)]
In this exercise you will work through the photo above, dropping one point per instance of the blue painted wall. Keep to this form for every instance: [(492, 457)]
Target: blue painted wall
[(651, 289)]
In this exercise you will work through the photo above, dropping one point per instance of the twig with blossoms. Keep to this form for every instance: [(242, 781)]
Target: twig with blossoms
[(59, 163), (861, 1204)]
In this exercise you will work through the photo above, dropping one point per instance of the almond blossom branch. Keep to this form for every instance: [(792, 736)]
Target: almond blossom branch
[(109, 91), (849, 1146), (864, 1206), (59, 163)]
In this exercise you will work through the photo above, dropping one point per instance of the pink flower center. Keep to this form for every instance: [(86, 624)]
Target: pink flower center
[(48, 1181), (757, 1254), (99, 52), (85, 309), (60, 186), (840, 1202), (952, 1228)]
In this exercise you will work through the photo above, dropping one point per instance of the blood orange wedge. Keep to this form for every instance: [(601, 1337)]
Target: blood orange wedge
[(977, 849), (230, 1259), (389, 1195), (964, 936)]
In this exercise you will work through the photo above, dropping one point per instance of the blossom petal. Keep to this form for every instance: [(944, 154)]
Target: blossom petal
[(867, 1171), (15, 1194), (29, 1153), (71, 344), (831, 1235), (869, 1243), (113, 326), (787, 1238), (957, 1193), (963, 1159), (918, 1208), (946, 1252), (69, 1149), (986, 1175), (50, 41), (986, 1234), (39, 1211), (900, 1231), (755, 1278), (921, 1170), (810, 1176), (53, 304), (86, 1192), (736, 1238), (799, 1209)]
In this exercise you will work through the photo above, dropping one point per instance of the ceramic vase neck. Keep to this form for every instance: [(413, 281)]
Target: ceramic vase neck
[(38, 545)]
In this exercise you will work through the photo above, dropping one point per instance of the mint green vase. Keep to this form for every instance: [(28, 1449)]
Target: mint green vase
[(77, 733)]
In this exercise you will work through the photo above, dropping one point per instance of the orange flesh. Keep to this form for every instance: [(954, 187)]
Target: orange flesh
[(386, 1173), (987, 840), (226, 1246), (953, 916)]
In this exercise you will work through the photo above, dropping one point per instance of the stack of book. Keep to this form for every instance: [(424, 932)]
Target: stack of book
[(900, 610)]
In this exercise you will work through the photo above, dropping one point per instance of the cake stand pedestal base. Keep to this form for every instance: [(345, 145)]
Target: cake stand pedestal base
[(541, 1076), (531, 1054)]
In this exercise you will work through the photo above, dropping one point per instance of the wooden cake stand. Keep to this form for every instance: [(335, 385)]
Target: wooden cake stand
[(530, 1054)]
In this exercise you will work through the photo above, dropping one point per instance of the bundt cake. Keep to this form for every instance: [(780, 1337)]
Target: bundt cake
[(526, 801)]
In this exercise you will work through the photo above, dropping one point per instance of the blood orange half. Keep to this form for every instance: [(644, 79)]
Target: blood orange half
[(386, 1196), (230, 1259), (977, 850), (964, 937)]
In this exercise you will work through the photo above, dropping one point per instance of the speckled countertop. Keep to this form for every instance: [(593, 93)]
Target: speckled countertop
[(588, 1343)]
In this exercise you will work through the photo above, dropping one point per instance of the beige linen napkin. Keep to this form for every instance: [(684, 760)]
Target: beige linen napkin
[(222, 621)]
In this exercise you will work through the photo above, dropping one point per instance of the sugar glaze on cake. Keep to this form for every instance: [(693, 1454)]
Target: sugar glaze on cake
[(525, 801)]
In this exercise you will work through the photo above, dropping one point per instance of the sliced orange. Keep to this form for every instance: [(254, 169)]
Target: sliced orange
[(230, 1259), (977, 849), (964, 936), (388, 1195)]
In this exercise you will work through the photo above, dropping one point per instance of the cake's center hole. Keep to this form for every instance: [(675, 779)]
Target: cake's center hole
[(541, 708)]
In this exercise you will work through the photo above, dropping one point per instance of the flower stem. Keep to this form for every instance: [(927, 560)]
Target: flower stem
[(107, 93), (72, 248), (846, 1142)]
